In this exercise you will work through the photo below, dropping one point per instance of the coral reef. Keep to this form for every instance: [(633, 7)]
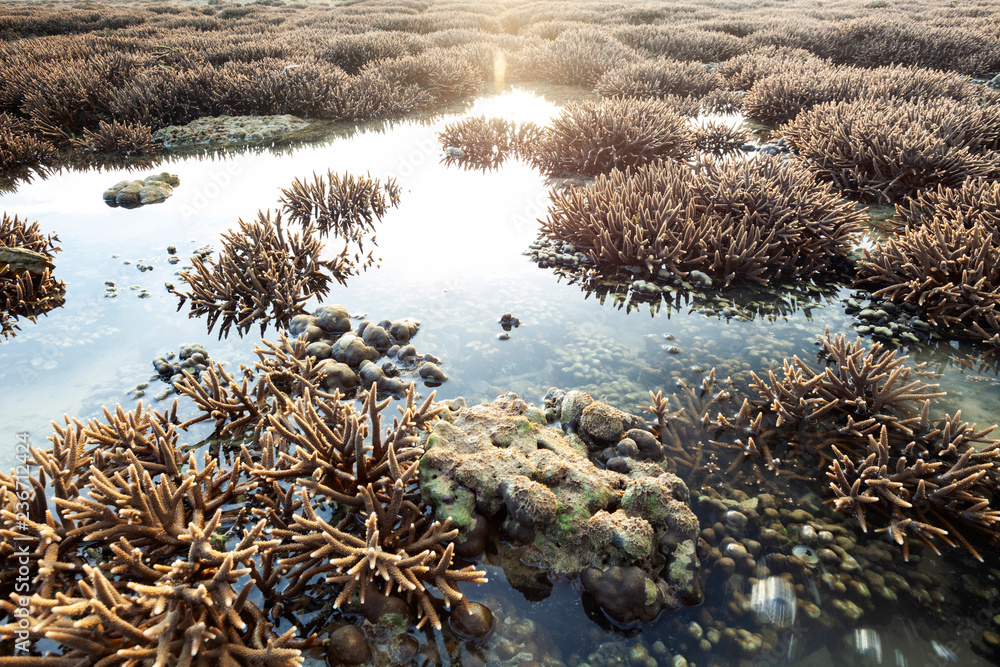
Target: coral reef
[(946, 268), (890, 464), (804, 84), (719, 138), (572, 517), (225, 130), (141, 549), (883, 149), (133, 194), (657, 79), (753, 221), (115, 137), (595, 137), (486, 143), (347, 206), (26, 283), (974, 200), (18, 148), (263, 273)]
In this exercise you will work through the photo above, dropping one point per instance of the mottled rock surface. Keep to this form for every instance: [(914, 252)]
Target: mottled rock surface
[(222, 130), (569, 514)]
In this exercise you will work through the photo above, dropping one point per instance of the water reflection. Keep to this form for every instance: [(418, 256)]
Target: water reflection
[(451, 258)]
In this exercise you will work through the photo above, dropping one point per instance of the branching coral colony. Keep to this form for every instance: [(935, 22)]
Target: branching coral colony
[(142, 551), (26, 283), (266, 273), (753, 221), (889, 464)]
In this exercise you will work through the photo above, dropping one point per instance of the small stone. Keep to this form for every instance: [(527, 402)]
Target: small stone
[(471, 620), (432, 372), (349, 646)]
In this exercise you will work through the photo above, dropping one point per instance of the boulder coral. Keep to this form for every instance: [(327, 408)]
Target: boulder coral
[(501, 460)]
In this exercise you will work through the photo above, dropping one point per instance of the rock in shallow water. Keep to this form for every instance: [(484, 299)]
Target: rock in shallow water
[(151, 190), (472, 620)]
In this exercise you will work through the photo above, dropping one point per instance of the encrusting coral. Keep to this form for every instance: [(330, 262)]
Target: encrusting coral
[(27, 287), (139, 551), (570, 516), (264, 273), (753, 221)]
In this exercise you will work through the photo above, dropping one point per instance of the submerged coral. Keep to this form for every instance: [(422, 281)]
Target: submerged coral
[(140, 549), (264, 273), (890, 465), (26, 283)]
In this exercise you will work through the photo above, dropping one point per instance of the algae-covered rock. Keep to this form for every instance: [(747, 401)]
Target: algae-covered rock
[(22, 259), (222, 130), (151, 190), (497, 459)]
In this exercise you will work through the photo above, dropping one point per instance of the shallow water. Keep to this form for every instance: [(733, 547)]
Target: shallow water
[(451, 257)]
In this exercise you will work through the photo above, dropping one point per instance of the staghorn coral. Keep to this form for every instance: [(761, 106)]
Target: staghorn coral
[(595, 137), (882, 150), (126, 556), (873, 387), (19, 147), (720, 138), (744, 70), (752, 221), (263, 273), (347, 205), (863, 419), (657, 79), (488, 142), (26, 283), (667, 41), (782, 96), (946, 267), (118, 137), (974, 200), (143, 553)]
